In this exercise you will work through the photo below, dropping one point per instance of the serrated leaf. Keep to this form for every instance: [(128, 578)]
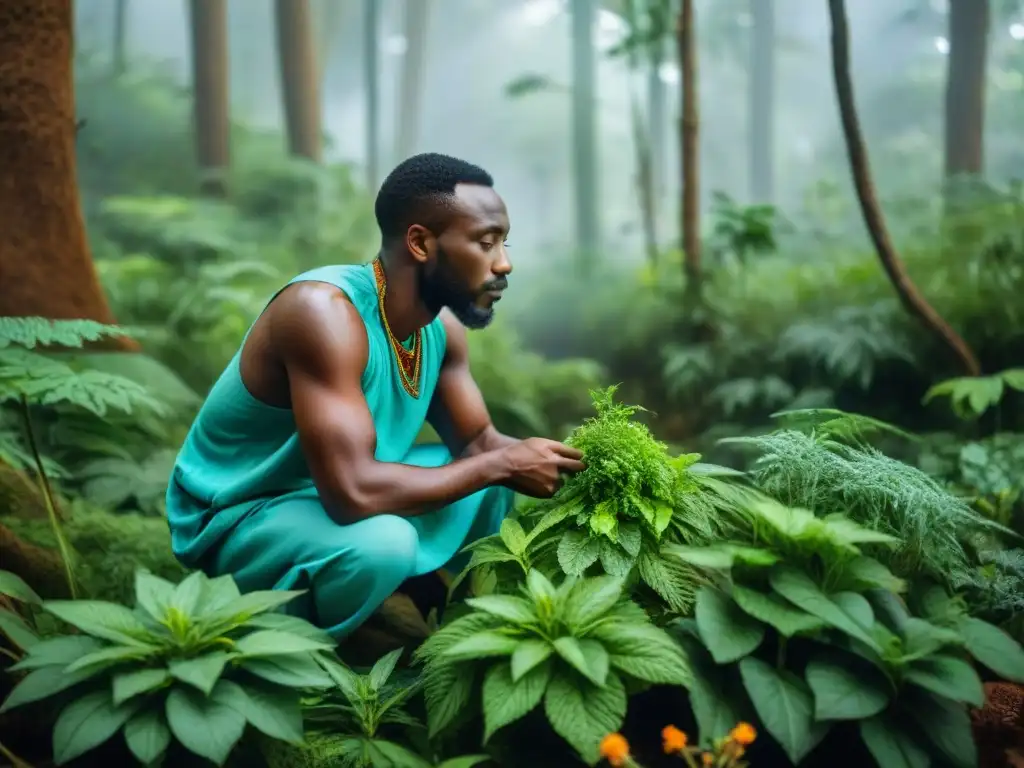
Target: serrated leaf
[(482, 645), (842, 692), (673, 581), (447, 690), (785, 706), (382, 669), (589, 599), (787, 619), (577, 552), (505, 700), (527, 655), (614, 560), (86, 723), (513, 609), (589, 658), (147, 736), (582, 713), (645, 652), (630, 538), (205, 725), (727, 632), (513, 536)]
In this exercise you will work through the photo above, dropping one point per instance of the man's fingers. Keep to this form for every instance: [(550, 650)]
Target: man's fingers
[(571, 465), (568, 451)]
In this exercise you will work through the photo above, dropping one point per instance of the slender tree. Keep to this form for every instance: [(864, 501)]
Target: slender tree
[(689, 145), (584, 132), (909, 295), (210, 98), (969, 22), (300, 78), (371, 88), (414, 66), (762, 101)]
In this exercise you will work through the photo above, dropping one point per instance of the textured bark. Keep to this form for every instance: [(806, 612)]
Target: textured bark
[(210, 78), (689, 146), (969, 22), (300, 78), (45, 265), (908, 293), (999, 726), (42, 569)]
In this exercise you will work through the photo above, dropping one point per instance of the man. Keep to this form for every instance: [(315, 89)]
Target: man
[(300, 471)]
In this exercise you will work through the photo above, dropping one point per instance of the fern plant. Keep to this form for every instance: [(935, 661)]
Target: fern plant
[(197, 661), (971, 396), (576, 647), (615, 516), (804, 628)]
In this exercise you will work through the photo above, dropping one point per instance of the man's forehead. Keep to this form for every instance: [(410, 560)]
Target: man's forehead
[(479, 201)]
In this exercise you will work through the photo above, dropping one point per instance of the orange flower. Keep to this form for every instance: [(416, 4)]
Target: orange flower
[(615, 749), (673, 739), (743, 734)]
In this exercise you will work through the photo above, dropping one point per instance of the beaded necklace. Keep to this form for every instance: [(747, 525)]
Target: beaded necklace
[(409, 360)]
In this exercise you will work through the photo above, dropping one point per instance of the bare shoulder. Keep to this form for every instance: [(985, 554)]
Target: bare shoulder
[(315, 326), (456, 345)]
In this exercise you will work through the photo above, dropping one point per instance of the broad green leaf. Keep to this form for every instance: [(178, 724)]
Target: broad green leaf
[(387, 753), (947, 676), (447, 691), (242, 609), (662, 518), (994, 648), (86, 723), (344, 678), (645, 652), (269, 708), (539, 586), (947, 726), (187, 594), (108, 621), (588, 657), (590, 599), (147, 735), (205, 725), (482, 645), (800, 590), (856, 606), (785, 706), (713, 707), (466, 761), (292, 624), (614, 559), (891, 746), (921, 639), (721, 557), (111, 656), (868, 573), (551, 519), (60, 651), (514, 609), (845, 692), (527, 655), (513, 536), (630, 538), (583, 714), (604, 521), (152, 593), (292, 671), (129, 684), (787, 619), (217, 593), (577, 552), (14, 586), (274, 642), (382, 669), (15, 628), (202, 672), (728, 633), (673, 580), (505, 701), (42, 683)]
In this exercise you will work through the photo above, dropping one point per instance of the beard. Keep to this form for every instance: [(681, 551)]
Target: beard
[(439, 287)]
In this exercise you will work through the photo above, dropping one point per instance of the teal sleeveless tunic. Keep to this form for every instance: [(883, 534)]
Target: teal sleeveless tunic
[(241, 500)]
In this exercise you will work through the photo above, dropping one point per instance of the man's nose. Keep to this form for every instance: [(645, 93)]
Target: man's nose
[(502, 266)]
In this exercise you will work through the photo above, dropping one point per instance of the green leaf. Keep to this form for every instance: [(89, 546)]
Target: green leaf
[(583, 714), (269, 708), (14, 586), (147, 736), (577, 552), (891, 746), (710, 698), (187, 594), (291, 624), (42, 683), (604, 521), (868, 573), (152, 594), (645, 652), (390, 755), (948, 727), (514, 609), (129, 684), (527, 655), (662, 518), (540, 587), (290, 671), (856, 606), (590, 659), (921, 639), (800, 590), (382, 669), (784, 617), (482, 645), (947, 676), (614, 559), (217, 593), (447, 691), (590, 599), (86, 723), (60, 651), (721, 557), (785, 706), (994, 648), (551, 519), (111, 656), (274, 642), (466, 761), (843, 692), (108, 621), (505, 701), (673, 580), (242, 609), (202, 672), (15, 628), (205, 725), (513, 536), (728, 633)]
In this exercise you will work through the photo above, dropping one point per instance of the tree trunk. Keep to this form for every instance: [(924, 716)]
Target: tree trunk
[(417, 25), (969, 22), (689, 155), (911, 298), (46, 268), (118, 52), (210, 99), (584, 134), (762, 102), (300, 82), (657, 121), (371, 87)]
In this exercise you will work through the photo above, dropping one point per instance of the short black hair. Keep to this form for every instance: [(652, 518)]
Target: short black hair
[(428, 178)]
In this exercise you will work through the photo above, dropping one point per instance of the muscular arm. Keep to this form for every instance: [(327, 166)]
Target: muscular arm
[(322, 342), (458, 412)]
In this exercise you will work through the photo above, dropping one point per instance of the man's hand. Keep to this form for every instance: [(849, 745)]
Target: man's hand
[(536, 466)]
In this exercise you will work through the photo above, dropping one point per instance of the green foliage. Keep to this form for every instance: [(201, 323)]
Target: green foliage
[(971, 396), (577, 648), (12, 625), (197, 662), (803, 628)]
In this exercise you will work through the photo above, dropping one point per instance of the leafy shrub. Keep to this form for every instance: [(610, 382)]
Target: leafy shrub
[(578, 647), (197, 661)]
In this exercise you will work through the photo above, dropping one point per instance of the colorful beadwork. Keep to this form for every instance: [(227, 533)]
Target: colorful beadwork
[(409, 360)]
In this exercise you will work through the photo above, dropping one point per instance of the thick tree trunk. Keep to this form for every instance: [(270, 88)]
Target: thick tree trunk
[(911, 298), (300, 81), (45, 265), (969, 22), (689, 145), (762, 102), (210, 78), (410, 107)]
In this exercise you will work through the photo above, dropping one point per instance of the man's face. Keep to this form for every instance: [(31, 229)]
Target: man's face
[(468, 268)]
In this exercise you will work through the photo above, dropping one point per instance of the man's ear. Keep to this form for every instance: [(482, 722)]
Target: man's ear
[(420, 242)]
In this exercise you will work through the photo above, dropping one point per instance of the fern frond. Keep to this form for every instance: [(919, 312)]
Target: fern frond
[(31, 332), (835, 424), (111, 483)]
